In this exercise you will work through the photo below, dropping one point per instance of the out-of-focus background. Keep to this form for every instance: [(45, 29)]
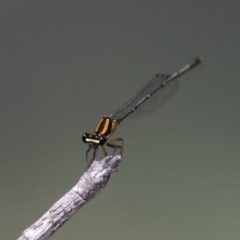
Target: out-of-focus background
[(65, 64)]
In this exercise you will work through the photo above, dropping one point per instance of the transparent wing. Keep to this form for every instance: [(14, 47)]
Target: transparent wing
[(156, 92)]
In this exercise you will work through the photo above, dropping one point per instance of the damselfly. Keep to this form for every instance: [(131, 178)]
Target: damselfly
[(157, 91)]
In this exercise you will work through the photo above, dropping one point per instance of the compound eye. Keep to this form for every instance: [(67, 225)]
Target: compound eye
[(102, 140), (84, 137)]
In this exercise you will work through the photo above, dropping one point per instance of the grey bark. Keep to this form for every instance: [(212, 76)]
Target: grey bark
[(90, 184)]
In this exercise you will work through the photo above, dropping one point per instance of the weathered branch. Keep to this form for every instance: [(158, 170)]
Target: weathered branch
[(89, 185)]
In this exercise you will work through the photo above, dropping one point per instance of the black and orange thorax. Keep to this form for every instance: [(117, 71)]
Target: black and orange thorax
[(106, 127)]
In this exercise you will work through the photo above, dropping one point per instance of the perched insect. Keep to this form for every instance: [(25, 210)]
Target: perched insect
[(157, 91)]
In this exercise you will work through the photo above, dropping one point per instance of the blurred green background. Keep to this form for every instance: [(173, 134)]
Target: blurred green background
[(65, 64)]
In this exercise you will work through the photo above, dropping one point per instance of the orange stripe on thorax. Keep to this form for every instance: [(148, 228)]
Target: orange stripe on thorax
[(106, 127)]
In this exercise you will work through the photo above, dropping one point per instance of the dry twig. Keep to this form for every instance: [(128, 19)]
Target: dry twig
[(89, 185)]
